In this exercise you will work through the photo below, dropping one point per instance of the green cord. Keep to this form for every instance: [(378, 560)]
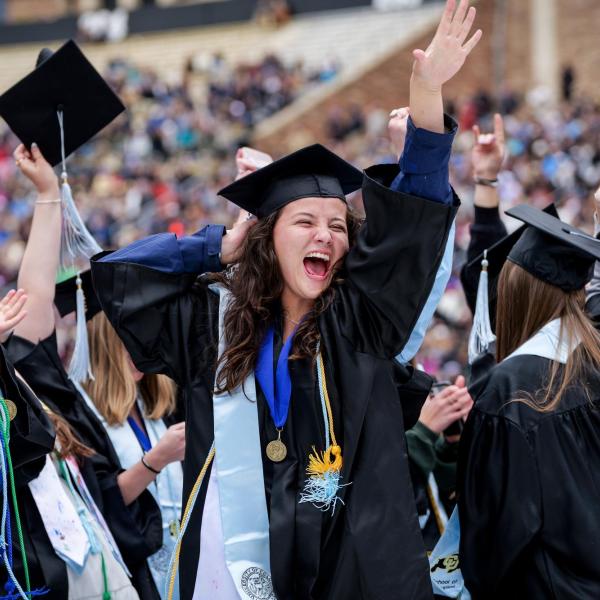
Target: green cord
[(106, 595), (6, 435)]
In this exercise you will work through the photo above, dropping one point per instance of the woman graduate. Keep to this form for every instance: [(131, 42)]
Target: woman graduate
[(134, 521), (529, 476), (309, 494)]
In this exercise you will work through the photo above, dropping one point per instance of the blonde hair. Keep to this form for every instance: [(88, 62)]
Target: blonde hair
[(114, 389), (525, 305)]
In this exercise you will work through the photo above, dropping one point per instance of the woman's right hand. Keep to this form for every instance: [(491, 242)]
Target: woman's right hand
[(37, 169), (170, 448)]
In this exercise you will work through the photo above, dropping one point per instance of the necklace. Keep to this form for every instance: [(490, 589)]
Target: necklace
[(288, 318)]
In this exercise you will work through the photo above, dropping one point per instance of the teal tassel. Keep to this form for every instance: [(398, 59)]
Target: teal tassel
[(77, 242), (322, 490), (80, 368)]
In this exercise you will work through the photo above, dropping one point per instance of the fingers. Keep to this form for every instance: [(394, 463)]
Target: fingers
[(466, 25), (16, 304), (459, 17), (36, 153), (460, 382), (446, 20), (10, 324), (7, 298), (499, 129), (178, 426), (476, 133), (468, 47)]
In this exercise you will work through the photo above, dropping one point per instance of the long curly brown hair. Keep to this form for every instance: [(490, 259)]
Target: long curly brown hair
[(256, 285)]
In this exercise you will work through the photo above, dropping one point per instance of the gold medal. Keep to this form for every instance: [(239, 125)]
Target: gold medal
[(276, 450), (11, 407)]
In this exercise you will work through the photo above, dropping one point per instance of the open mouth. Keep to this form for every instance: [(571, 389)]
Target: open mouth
[(316, 265)]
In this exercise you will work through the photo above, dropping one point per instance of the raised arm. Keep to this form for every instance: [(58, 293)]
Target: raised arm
[(441, 61), (487, 228), (394, 263), (593, 288), (37, 274)]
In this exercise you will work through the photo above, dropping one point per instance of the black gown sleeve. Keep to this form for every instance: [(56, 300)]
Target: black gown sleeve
[(164, 319), (391, 269), (499, 500), (31, 433), (486, 229)]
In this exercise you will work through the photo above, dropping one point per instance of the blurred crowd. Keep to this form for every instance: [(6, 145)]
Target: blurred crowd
[(158, 166)]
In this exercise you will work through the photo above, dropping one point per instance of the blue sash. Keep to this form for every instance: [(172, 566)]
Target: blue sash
[(239, 471)]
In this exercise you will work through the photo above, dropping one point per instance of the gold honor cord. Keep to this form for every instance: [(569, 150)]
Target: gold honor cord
[(174, 562)]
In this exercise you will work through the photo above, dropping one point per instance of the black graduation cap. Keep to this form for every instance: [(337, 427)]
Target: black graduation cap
[(554, 251), (313, 171), (65, 81), (498, 253), (65, 297)]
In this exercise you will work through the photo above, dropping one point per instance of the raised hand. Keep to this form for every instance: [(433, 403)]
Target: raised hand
[(248, 160), (35, 167), (449, 48), (12, 312), (489, 150), (397, 128)]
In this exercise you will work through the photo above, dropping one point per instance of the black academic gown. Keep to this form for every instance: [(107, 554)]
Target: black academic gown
[(137, 528), (31, 438), (529, 489), (371, 547)]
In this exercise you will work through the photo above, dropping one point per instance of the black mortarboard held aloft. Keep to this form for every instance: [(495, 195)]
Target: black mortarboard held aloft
[(311, 172), (60, 105)]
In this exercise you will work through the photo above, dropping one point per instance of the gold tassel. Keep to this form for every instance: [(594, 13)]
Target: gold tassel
[(320, 463)]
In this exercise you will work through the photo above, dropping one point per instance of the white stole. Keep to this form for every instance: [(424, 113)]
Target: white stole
[(236, 486)]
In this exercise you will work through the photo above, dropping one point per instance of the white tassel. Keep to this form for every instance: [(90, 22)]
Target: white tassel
[(80, 369), (76, 242), (481, 333)]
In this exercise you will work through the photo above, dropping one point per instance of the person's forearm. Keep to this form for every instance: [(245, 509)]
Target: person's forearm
[(136, 479), (426, 106), (593, 287), (37, 274), (196, 253), (486, 196)]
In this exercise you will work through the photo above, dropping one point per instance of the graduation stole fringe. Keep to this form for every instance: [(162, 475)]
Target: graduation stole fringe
[(76, 244), (324, 468), (481, 333)]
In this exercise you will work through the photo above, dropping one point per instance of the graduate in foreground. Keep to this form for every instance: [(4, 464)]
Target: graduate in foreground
[(529, 465), (296, 477)]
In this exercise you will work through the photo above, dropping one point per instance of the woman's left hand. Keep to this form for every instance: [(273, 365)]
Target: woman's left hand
[(248, 160), (12, 312), (449, 48)]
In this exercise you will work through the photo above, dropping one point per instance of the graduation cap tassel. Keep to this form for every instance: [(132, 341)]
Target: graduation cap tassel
[(80, 369), (76, 242), (481, 333)]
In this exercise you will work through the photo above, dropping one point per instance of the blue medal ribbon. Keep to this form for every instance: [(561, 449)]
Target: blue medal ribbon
[(278, 389), (140, 434)]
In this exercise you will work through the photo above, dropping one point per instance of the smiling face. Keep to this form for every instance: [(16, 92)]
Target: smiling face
[(310, 239)]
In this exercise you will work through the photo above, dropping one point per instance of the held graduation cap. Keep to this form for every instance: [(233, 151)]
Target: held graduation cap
[(311, 172), (60, 105)]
